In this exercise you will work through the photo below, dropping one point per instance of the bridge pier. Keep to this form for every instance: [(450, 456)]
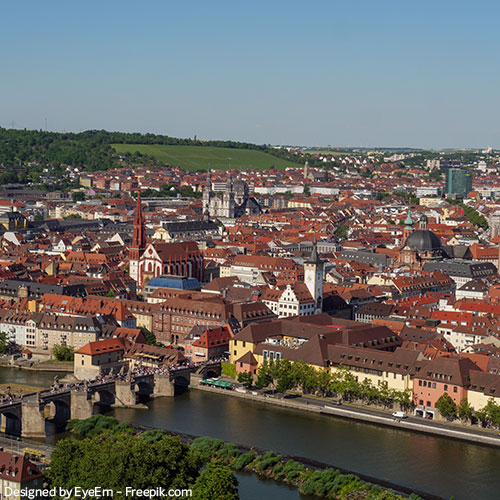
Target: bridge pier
[(124, 394), (32, 420), (163, 386), (81, 407)]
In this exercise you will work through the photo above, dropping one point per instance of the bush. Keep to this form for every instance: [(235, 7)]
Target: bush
[(267, 461), (227, 452), (96, 425), (207, 447), (229, 369), (63, 352), (243, 460)]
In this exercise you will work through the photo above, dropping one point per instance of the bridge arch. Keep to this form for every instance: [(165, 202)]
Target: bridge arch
[(10, 423), (103, 397)]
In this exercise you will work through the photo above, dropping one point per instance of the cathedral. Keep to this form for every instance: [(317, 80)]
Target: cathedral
[(420, 245), (233, 202), (147, 261)]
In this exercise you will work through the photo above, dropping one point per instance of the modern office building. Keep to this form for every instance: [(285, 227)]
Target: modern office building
[(458, 181)]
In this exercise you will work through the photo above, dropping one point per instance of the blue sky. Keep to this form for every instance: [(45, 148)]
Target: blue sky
[(340, 73)]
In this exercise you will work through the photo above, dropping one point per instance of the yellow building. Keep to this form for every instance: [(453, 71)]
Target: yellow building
[(325, 348), (483, 387)]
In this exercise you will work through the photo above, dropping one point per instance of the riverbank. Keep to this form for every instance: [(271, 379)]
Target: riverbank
[(376, 417), (306, 462), (42, 367)]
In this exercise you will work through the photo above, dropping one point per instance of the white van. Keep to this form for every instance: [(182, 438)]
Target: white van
[(399, 414)]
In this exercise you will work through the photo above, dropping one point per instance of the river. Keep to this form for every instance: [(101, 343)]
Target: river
[(35, 378), (437, 465)]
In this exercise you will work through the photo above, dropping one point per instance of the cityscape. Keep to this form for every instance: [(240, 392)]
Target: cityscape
[(235, 283)]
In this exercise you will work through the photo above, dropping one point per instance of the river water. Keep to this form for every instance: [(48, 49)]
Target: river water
[(437, 465), (440, 466)]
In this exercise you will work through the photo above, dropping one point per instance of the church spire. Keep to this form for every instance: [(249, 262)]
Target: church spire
[(139, 236)]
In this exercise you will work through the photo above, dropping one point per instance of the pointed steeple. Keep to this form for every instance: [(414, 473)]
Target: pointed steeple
[(409, 221), (314, 258), (139, 236)]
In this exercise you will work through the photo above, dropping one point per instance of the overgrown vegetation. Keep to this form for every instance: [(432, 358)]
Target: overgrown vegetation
[(96, 424), (63, 352), (153, 458), (328, 483)]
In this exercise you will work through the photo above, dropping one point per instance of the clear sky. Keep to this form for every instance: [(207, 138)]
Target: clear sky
[(340, 73)]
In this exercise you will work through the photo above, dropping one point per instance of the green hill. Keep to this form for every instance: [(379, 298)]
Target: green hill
[(207, 157)]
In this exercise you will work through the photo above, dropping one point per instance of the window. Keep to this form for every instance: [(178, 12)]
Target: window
[(455, 389), (445, 387), (433, 385)]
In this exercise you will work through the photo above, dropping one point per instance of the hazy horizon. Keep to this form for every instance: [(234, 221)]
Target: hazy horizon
[(344, 74)]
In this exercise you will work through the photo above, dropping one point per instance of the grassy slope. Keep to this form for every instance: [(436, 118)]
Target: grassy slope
[(198, 157)]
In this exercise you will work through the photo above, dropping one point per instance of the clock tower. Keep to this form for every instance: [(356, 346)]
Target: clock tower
[(313, 278)]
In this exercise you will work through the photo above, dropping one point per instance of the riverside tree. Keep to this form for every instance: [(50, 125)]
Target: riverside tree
[(216, 482), (446, 406), (136, 462)]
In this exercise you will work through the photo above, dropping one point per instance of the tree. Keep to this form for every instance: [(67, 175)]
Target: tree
[(307, 190), (63, 352), (342, 232), (4, 342), (464, 410), (136, 462), (150, 337), (78, 196), (446, 406), (490, 414), (263, 378), (216, 482), (245, 378)]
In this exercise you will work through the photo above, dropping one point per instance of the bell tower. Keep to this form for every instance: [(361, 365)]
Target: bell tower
[(138, 244), (408, 229), (313, 278)]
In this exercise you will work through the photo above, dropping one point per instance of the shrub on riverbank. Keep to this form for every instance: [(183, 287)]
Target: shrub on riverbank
[(328, 483), (96, 424), (228, 369)]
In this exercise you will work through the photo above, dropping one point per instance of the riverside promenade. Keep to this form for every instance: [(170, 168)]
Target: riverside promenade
[(368, 415)]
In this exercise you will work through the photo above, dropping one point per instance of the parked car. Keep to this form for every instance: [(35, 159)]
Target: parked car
[(399, 414)]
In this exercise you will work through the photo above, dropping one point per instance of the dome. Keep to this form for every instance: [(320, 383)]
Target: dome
[(423, 241)]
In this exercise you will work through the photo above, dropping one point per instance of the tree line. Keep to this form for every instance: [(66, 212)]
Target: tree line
[(92, 149), (112, 454), (472, 214), (284, 375)]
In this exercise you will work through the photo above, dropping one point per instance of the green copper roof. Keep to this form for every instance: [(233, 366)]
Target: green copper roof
[(409, 220)]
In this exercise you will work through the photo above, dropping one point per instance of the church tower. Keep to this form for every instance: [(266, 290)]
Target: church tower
[(207, 195), (306, 170), (138, 244), (313, 278), (408, 229)]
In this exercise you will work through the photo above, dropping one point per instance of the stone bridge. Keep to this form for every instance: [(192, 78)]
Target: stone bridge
[(27, 416)]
